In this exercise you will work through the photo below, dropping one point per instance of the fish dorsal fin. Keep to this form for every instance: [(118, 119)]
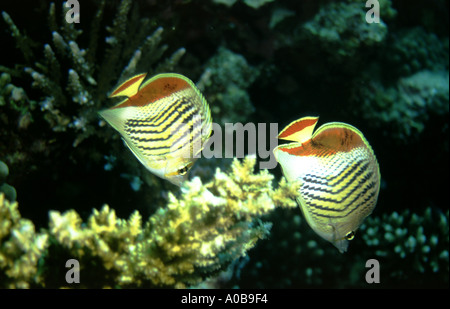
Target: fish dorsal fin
[(340, 137), (164, 85), (130, 87), (299, 130)]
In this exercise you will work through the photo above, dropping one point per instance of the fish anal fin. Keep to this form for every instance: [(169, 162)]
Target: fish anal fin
[(300, 130)]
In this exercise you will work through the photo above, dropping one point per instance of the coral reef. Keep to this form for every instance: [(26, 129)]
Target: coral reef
[(69, 85), (414, 50), (21, 248), (414, 91), (406, 107), (338, 32), (204, 233), (340, 28), (420, 240), (196, 236), (412, 248), (50, 97), (8, 190), (255, 4), (224, 82), (255, 61), (88, 93)]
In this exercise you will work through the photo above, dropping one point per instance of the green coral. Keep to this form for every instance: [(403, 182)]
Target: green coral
[(255, 4), (15, 96), (224, 83), (405, 109), (420, 240), (50, 99), (196, 236), (405, 86), (412, 50), (200, 236), (73, 85), (411, 247), (330, 41), (7, 189), (340, 29)]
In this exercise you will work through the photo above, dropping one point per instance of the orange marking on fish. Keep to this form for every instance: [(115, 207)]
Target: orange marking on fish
[(296, 127), (122, 89), (155, 90), (327, 142)]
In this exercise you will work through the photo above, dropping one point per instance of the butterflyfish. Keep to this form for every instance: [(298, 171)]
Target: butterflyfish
[(165, 121), (338, 176)]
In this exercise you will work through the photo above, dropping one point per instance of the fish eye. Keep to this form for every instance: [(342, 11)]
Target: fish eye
[(350, 235), (183, 170)]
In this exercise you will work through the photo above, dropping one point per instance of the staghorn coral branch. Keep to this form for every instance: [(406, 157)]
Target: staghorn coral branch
[(72, 68)]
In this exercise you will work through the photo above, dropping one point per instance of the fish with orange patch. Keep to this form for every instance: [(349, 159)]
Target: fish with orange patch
[(165, 121), (338, 176)]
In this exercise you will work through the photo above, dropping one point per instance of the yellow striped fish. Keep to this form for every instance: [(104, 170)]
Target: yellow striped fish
[(338, 174), (165, 122)]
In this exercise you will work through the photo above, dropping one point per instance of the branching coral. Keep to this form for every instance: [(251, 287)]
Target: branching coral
[(207, 228), (411, 247), (421, 240), (196, 236), (52, 89), (51, 96), (15, 98), (20, 248), (66, 70)]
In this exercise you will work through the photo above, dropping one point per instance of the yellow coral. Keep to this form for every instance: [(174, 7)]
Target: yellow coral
[(197, 235), (66, 227), (20, 248)]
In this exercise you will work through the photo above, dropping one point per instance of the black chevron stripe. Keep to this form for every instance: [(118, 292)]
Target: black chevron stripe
[(369, 199), (313, 196), (357, 174), (357, 201)]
